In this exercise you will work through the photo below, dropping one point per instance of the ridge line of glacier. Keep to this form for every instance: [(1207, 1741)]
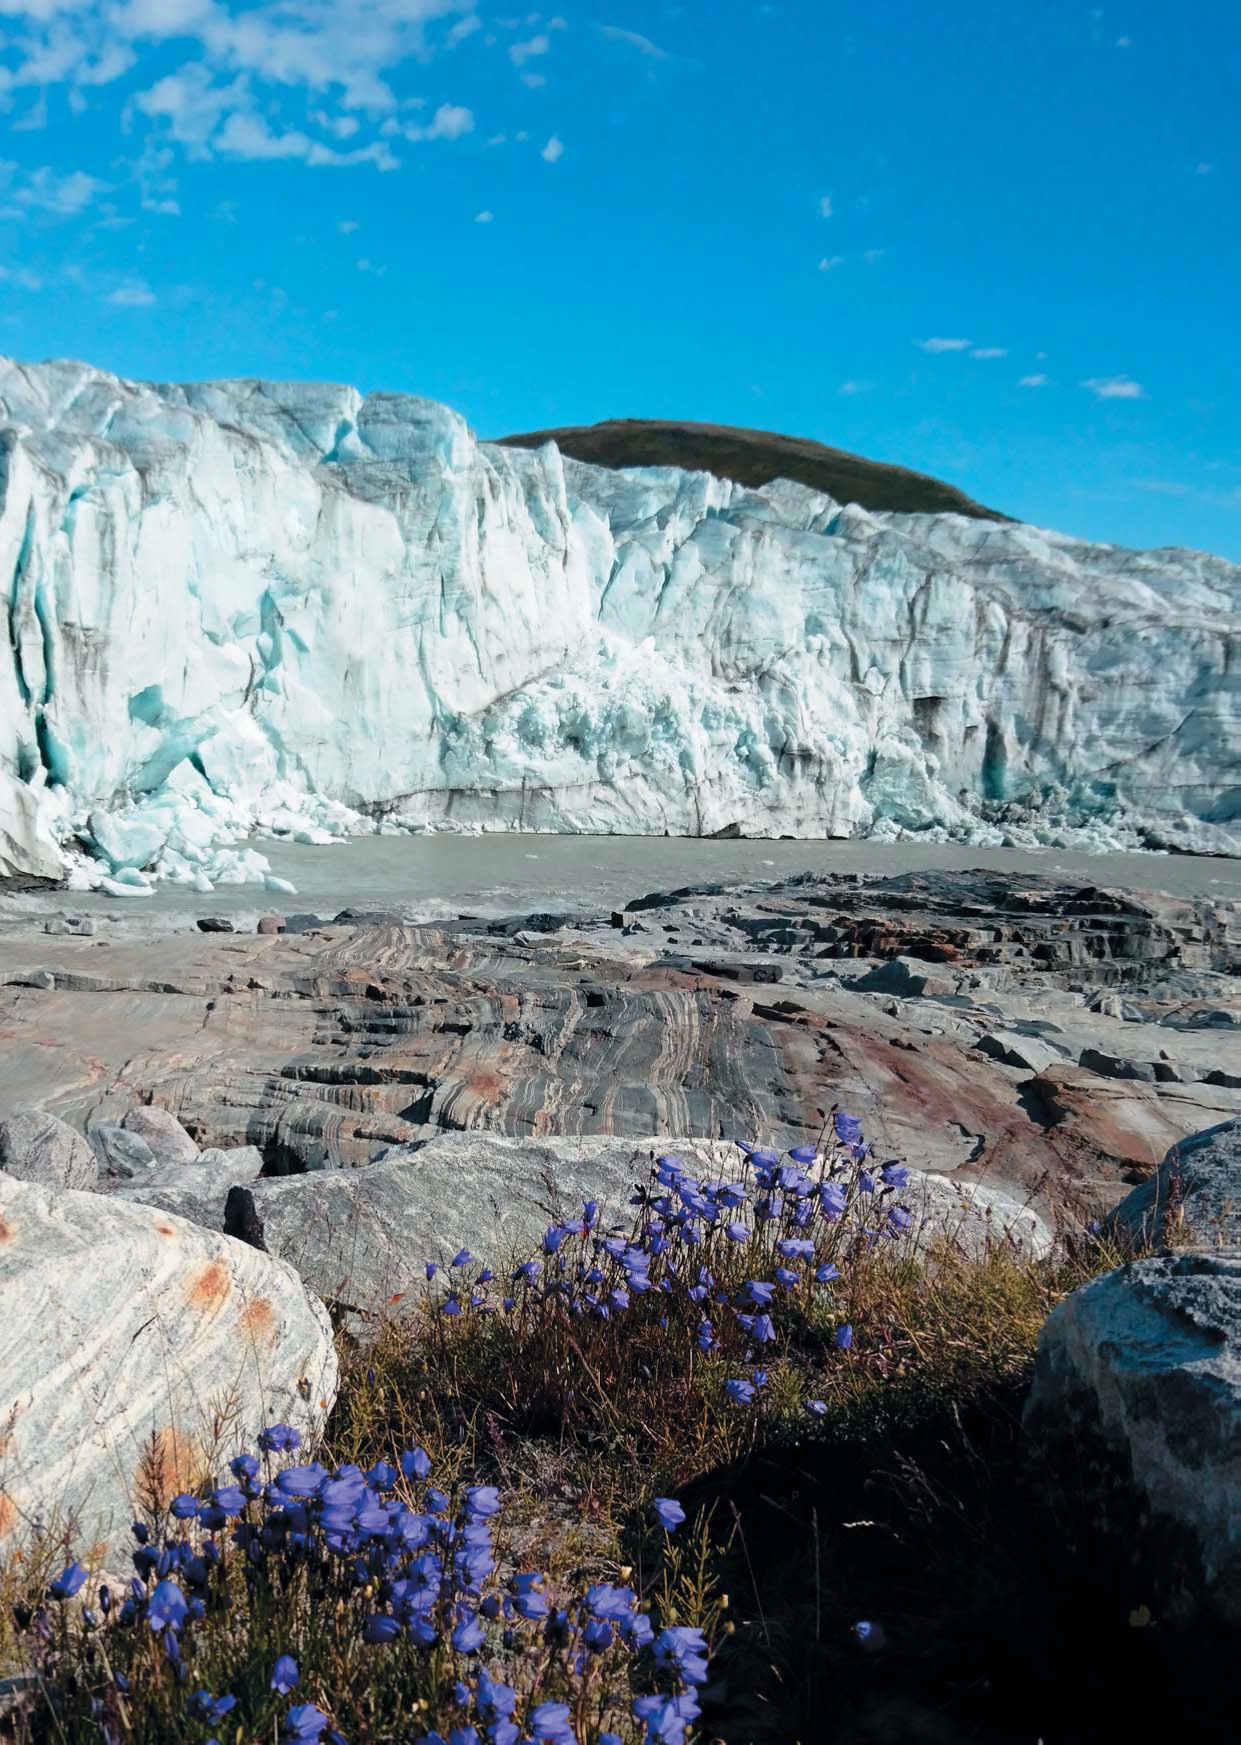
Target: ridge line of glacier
[(290, 608)]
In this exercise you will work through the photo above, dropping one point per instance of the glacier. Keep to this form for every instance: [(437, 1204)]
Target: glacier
[(248, 608)]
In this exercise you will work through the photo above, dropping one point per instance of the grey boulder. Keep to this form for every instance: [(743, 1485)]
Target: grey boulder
[(361, 1237), (1114, 1066), (905, 976), (1194, 1198), (37, 1147), (1027, 1052), (197, 1191), (1136, 1411), (139, 1354), (167, 1138), (120, 1153)]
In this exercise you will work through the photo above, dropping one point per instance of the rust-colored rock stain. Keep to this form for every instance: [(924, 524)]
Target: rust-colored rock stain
[(257, 1317), (211, 1287)]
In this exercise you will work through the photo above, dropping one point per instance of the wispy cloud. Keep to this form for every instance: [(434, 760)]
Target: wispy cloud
[(47, 191), (940, 345), (830, 262), (134, 295), (521, 52), (553, 151), (634, 39), (1114, 388), (1038, 380), (989, 351), (825, 206), (853, 387), (483, 217)]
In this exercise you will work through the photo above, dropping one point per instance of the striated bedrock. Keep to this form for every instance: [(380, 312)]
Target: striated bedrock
[(139, 1353), (720, 1013), (292, 606)]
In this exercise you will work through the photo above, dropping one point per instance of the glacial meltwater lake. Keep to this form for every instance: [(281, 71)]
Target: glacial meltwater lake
[(434, 877)]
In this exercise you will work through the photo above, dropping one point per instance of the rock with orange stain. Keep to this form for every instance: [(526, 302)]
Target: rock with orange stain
[(139, 1353)]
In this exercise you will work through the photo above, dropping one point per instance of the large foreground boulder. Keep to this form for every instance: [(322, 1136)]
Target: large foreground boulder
[(139, 1352), (37, 1147), (361, 1238), (1194, 1198), (1134, 1419)]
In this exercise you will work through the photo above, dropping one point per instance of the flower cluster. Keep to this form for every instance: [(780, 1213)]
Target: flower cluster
[(791, 1216), (714, 1273), (418, 1572)]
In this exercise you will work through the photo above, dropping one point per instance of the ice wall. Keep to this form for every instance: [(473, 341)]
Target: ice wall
[(292, 607)]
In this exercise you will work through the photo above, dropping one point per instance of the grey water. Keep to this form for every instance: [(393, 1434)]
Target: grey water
[(435, 877)]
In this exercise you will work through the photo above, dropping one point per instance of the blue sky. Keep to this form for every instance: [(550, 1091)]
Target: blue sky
[(997, 242)]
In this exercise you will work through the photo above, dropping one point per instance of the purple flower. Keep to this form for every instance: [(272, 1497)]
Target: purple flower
[(431, 1270), (823, 1275), (899, 1221), (740, 1392), (528, 1600), (167, 1608), (461, 1258), (668, 1512), (380, 1628), (279, 1439), (469, 1635), (550, 1724), (848, 1128), (415, 1463), (844, 1337), (804, 1153), (303, 1723), (202, 1706), (818, 1408), (284, 1675), (68, 1582), (895, 1174), (244, 1466), (683, 1650), (481, 1500), (184, 1507), (496, 1701)]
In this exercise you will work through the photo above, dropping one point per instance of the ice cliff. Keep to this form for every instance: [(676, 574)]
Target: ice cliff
[(291, 608)]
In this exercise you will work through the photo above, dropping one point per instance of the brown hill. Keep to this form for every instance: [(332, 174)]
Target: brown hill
[(754, 457)]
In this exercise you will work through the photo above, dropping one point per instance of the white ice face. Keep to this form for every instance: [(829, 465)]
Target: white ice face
[(288, 607)]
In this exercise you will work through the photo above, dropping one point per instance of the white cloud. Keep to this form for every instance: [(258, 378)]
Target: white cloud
[(47, 190), (989, 351), (248, 136), (1038, 380), (450, 121), (483, 217), (134, 295), (939, 345), (633, 38), (1203, 169), (462, 28), (21, 277), (521, 52), (1114, 388), (825, 206), (346, 226), (553, 151), (874, 254), (192, 104), (831, 260), (852, 387), (534, 81)]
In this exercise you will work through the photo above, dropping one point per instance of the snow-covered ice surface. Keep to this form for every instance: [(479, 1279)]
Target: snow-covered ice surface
[(241, 606)]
